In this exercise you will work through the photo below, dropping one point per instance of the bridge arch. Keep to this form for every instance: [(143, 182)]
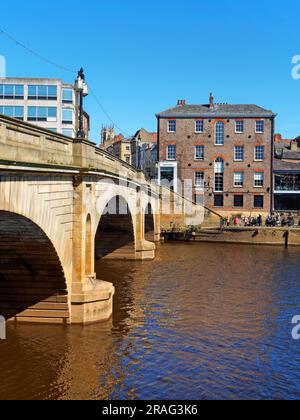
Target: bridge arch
[(115, 236), (32, 281)]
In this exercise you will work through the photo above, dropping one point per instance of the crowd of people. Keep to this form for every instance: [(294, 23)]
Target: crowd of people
[(273, 220)]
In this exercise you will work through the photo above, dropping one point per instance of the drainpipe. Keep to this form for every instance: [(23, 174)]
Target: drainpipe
[(272, 164), (158, 139)]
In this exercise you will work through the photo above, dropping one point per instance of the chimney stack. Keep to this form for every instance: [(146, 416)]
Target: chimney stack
[(211, 101), (294, 146), (181, 102), (277, 138)]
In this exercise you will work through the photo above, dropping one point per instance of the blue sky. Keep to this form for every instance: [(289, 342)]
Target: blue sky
[(140, 57)]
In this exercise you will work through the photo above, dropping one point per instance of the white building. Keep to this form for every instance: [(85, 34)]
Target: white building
[(48, 103)]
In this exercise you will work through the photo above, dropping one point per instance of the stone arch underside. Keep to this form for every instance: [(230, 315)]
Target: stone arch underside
[(115, 238), (32, 281), (149, 224)]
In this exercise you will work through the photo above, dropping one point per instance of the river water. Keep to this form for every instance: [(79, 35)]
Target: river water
[(202, 321)]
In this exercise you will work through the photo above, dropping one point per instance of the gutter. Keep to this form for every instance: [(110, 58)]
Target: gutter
[(213, 116)]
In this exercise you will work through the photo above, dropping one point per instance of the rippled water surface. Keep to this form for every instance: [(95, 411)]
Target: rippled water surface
[(202, 321)]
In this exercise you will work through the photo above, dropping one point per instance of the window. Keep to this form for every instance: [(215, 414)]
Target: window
[(199, 179), (54, 130), (13, 111), (239, 126), (42, 92), (220, 134), (127, 158), (259, 179), (260, 126), (258, 201), (67, 116), (239, 153), (219, 200), (68, 132), (42, 113), (238, 201), (67, 96), (238, 179), (127, 148), (199, 126), (11, 91), (259, 153), (172, 126), (287, 182), (219, 175), (199, 152), (171, 153), (199, 199)]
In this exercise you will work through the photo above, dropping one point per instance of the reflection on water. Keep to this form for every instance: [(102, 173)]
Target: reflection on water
[(202, 321)]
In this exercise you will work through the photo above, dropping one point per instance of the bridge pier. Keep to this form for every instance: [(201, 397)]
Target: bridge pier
[(91, 301)]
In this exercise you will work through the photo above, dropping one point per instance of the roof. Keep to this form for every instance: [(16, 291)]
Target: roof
[(283, 166), (218, 110), (145, 136)]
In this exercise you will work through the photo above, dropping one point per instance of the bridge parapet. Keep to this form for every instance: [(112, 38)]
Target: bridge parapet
[(21, 142)]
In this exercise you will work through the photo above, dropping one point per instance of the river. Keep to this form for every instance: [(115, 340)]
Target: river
[(202, 321)]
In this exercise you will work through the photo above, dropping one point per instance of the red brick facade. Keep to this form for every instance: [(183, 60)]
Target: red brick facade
[(186, 139)]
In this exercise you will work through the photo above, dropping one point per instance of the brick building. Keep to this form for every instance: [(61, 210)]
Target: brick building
[(223, 151)]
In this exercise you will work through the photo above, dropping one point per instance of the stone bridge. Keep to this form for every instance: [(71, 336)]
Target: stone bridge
[(63, 202)]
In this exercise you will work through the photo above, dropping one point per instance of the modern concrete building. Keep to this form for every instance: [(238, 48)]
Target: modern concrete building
[(48, 103), (223, 153)]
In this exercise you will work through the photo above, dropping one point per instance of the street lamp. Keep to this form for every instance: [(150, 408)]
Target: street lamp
[(82, 90)]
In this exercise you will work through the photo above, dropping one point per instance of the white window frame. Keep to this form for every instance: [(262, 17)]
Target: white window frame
[(217, 134), (256, 179), (240, 182), (219, 173), (202, 158), (200, 185), (167, 157), (199, 131), (261, 122), (236, 130), (259, 160), (172, 122), (239, 160)]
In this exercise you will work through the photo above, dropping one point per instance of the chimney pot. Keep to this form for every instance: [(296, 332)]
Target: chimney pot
[(181, 102), (211, 101)]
